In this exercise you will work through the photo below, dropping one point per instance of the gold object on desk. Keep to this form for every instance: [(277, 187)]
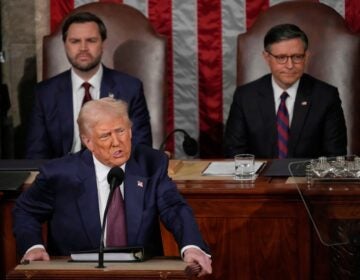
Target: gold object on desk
[(174, 166), (192, 170)]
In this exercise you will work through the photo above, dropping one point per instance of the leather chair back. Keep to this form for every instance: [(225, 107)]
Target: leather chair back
[(132, 46), (334, 54)]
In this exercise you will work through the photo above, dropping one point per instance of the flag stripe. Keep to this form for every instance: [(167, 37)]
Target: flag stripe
[(233, 23), (352, 15), (274, 2), (78, 3), (107, 1), (253, 8), (337, 5), (210, 77), (58, 10), (160, 15), (201, 56), (185, 73)]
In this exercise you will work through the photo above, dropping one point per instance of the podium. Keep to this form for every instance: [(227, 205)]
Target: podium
[(159, 268)]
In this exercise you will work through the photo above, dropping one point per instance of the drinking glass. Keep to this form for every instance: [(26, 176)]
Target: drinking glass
[(244, 166)]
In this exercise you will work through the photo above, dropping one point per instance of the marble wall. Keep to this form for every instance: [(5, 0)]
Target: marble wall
[(23, 24)]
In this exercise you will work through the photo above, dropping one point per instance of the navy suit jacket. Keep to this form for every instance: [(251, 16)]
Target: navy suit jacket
[(65, 195), (51, 127), (317, 128)]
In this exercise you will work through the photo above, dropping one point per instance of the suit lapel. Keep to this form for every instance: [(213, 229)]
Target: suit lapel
[(108, 85), (134, 189), (65, 111), (301, 108), (267, 109), (87, 199)]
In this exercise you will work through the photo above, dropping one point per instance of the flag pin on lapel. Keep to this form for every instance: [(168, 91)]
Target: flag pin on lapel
[(304, 103), (140, 184), (111, 95)]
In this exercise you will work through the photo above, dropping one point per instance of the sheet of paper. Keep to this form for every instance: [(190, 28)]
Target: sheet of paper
[(227, 168)]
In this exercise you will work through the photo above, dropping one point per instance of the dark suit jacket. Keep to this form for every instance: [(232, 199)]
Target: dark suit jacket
[(317, 127), (51, 127), (65, 194)]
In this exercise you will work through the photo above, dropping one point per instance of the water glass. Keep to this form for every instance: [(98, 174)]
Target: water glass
[(244, 166)]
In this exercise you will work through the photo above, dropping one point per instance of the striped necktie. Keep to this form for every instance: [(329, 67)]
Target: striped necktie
[(87, 95), (116, 234), (282, 123)]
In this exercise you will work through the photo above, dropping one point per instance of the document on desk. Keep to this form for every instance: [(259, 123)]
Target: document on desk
[(227, 168), (121, 254)]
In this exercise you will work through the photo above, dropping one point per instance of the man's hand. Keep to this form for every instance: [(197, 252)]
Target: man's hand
[(36, 254), (198, 262)]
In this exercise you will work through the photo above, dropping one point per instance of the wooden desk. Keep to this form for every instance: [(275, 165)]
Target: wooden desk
[(255, 231), (262, 230), (61, 269), (8, 258)]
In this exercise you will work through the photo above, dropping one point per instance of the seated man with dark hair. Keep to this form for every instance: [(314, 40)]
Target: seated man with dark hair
[(70, 193), (286, 114), (52, 128)]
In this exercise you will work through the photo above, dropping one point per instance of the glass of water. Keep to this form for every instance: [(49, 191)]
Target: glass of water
[(244, 166)]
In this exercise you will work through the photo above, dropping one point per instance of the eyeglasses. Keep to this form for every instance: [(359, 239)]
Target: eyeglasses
[(282, 59)]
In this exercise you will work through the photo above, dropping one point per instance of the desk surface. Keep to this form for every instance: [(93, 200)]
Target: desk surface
[(189, 179), (170, 268)]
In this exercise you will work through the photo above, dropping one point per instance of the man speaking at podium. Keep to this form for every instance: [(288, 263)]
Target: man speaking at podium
[(70, 193)]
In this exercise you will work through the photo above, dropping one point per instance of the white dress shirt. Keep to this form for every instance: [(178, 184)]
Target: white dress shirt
[(290, 101), (78, 95)]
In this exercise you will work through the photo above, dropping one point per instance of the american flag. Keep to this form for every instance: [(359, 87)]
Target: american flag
[(201, 57)]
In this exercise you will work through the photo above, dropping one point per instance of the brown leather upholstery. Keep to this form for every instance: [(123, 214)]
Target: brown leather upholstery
[(132, 46), (335, 54)]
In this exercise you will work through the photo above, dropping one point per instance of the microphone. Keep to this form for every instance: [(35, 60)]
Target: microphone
[(115, 177), (189, 144)]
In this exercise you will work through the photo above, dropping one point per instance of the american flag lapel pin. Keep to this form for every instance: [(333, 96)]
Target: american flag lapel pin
[(140, 184), (111, 95), (304, 103)]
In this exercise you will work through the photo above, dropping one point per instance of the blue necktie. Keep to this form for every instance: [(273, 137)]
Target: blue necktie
[(282, 122)]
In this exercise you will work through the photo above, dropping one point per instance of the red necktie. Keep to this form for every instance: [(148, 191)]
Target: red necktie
[(282, 122), (115, 223), (87, 95)]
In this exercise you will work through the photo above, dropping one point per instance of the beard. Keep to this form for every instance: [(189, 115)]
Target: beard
[(84, 67)]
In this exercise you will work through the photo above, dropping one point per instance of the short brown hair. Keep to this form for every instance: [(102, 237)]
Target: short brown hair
[(83, 17)]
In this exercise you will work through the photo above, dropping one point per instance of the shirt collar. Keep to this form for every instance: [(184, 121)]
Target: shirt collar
[(95, 80), (291, 91), (102, 170)]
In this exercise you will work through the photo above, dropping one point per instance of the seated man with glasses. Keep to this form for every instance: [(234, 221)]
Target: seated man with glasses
[(286, 114)]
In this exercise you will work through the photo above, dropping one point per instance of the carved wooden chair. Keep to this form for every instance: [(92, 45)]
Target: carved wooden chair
[(334, 50)]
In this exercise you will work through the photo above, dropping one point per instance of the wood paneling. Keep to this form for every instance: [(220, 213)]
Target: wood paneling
[(251, 236)]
